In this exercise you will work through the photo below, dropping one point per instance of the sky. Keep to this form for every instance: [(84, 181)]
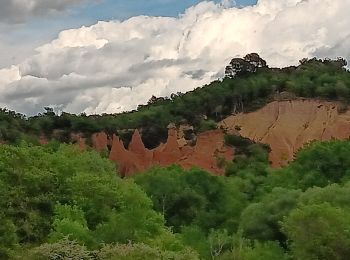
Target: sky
[(38, 28), (108, 56)]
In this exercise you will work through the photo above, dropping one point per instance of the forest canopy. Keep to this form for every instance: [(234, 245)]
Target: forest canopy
[(59, 201)]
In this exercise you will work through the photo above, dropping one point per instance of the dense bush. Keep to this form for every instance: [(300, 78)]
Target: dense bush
[(59, 202), (319, 231), (319, 164), (49, 193), (67, 249), (193, 197)]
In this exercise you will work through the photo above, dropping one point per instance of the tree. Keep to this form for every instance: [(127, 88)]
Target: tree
[(68, 249), (218, 240), (334, 194), (8, 237), (196, 238), (255, 59), (264, 251), (318, 231), (244, 249), (318, 164), (69, 222), (193, 197), (261, 220), (53, 192), (134, 225), (142, 251)]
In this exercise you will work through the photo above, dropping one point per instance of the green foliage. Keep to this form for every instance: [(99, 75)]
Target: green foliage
[(8, 237), (246, 148), (135, 225), (13, 126), (319, 231), (318, 164), (206, 125), (193, 198), (143, 252), (69, 221), (261, 220), (334, 194), (248, 251), (68, 249), (219, 240), (196, 238), (56, 192), (238, 142), (265, 251), (327, 160), (239, 248), (62, 249), (250, 165), (59, 202)]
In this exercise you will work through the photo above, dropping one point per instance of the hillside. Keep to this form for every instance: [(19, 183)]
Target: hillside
[(285, 122), (286, 126), (246, 91), (254, 166), (209, 148)]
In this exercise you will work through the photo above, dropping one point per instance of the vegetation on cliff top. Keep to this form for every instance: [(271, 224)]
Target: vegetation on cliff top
[(246, 91)]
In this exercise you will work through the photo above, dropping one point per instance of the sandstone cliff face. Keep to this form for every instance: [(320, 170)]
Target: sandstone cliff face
[(126, 161), (100, 141), (168, 153), (287, 125), (210, 147)]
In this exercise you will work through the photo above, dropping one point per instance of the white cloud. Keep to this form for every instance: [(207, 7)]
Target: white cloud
[(114, 66)]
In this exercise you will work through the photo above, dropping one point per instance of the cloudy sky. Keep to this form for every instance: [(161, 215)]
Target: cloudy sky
[(107, 56)]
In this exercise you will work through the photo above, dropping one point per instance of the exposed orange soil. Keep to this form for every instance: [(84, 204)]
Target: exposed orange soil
[(284, 125), (205, 154), (287, 125)]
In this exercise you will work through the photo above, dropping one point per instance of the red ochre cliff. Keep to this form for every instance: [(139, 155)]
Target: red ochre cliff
[(99, 141), (205, 154), (284, 125), (287, 125)]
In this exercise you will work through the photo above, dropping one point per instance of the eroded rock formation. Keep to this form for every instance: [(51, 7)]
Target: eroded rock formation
[(100, 141), (127, 161), (287, 125), (210, 149), (207, 153)]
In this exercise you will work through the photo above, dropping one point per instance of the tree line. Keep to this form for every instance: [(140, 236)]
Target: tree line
[(246, 91)]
